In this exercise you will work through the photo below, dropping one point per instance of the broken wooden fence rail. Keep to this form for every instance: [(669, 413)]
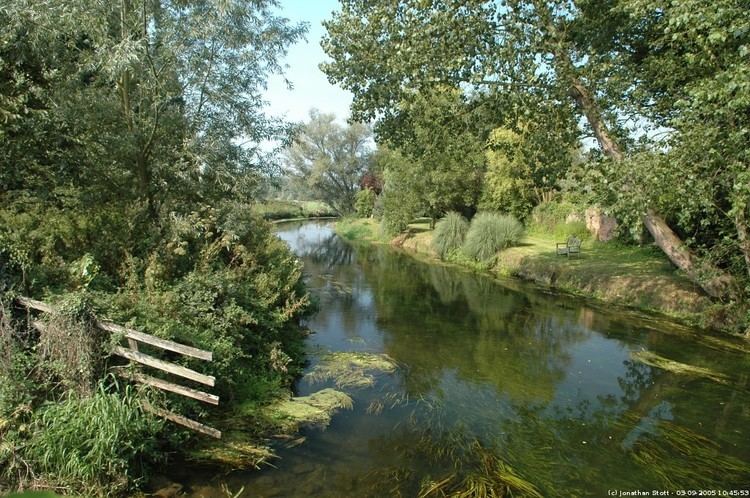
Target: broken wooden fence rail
[(134, 355)]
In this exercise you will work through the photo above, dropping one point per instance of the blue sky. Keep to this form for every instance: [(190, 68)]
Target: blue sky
[(311, 88)]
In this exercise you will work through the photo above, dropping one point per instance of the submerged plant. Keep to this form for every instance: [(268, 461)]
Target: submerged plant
[(654, 360), (314, 410), (351, 370), (460, 466), (681, 458), (449, 234), (489, 233)]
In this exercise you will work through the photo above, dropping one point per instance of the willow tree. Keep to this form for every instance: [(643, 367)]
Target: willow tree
[(385, 52), (115, 114), (168, 93), (330, 159)]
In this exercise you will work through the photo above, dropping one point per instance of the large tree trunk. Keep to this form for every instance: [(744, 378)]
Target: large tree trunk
[(712, 280), (715, 282)]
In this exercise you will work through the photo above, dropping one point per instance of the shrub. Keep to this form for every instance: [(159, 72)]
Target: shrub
[(449, 234), (401, 203), (508, 183), (490, 232), (578, 228), (364, 202), (547, 215)]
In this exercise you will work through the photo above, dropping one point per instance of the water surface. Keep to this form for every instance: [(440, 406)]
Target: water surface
[(546, 384)]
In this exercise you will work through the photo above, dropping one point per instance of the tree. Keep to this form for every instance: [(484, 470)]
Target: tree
[(169, 92), (385, 54), (131, 138), (444, 153), (365, 201), (704, 97), (330, 159), (401, 201), (508, 186)]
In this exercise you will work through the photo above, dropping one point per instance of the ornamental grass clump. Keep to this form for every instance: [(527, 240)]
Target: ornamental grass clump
[(449, 234), (489, 233)]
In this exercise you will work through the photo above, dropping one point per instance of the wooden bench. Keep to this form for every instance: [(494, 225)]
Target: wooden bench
[(571, 246)]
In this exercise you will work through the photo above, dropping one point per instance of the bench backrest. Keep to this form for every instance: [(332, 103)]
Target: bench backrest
[(574, 242)]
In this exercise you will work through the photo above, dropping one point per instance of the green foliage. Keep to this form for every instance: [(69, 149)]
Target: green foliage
[(70, 349), (360, 229), (507, 183), (330, 160), (545, 217), (278, 209), (449, 234), (34, 494), (131, 146), (92, 445), (221, 280), (401, 202), (445, 156), (574, 228), (489, 233), (365, 202), (518, 175)]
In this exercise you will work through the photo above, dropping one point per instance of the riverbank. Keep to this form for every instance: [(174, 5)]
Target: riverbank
[(288, 210), (636, 277)]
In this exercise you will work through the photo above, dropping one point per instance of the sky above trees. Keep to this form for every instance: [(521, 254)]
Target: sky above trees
[(311, 88)]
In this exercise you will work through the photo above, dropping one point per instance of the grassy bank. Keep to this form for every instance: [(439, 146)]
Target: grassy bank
[(360, 229), (639, 277), (279, 209)]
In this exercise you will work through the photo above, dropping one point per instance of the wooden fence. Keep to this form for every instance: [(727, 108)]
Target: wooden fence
[(132, 354)]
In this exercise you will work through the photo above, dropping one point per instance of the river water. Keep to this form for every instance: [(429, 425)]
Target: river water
[(497, 377)]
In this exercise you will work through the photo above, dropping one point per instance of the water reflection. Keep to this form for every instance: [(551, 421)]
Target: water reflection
[(544, 382)]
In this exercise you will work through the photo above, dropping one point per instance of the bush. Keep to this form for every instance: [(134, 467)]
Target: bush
[(364, 202), (546, 216), (399, 209), (93, 445), (221, 281), (578, 228), (449, 234), (401, 203), (490, 232)]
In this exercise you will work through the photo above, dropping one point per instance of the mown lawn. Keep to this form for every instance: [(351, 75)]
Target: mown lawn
[(630, 275), (360, 229)]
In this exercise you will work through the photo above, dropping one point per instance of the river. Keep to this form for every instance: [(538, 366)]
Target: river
[(502, 377)]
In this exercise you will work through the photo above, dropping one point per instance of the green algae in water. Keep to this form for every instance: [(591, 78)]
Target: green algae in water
[(654, 360), (351, 370), (242, 449), (314, 410), (236, 450)]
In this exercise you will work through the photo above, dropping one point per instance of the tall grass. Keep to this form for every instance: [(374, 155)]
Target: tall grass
[(449, 234), (490, 232), (93, 446)]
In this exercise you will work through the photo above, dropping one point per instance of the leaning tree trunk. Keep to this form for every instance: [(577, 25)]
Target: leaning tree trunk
[(712, 280)]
